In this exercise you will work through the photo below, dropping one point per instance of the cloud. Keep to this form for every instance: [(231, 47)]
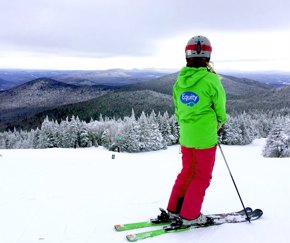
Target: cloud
[(143, 33), (101, 28)]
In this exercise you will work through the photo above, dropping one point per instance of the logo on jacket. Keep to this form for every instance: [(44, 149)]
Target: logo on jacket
[(189, 98)]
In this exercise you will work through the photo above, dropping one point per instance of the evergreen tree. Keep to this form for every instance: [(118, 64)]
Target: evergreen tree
[(278, 143), (133, 116), (143, 132), (165, 128), (2, 141), (157, 141), (231, 134), (128, 135), (263, 124), (90, 127), (149, 135), (47, 137), (174, 130), (11, 139), (237, 130), (246, 128), (35, 139), (24, 140), (69, 133), (105, 139), (27, 139), (97, 129), (84, 138)]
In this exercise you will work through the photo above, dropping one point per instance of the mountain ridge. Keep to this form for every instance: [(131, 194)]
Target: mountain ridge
[(233, 85), (91, 101), (42, 94)]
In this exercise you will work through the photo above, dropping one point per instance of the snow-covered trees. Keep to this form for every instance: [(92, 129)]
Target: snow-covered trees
[(150, 137), (128, 134), (149, 132), (243, 128), (238, 130), (278, 141), (165, 127), (48, 137), (127, 138)]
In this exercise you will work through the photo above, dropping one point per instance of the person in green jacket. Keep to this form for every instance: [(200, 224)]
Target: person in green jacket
[(200, 109)]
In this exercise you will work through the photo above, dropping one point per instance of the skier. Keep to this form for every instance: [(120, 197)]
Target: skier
[(200, 109)]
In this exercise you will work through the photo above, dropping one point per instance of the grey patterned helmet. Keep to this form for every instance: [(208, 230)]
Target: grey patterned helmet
[(198, 46)]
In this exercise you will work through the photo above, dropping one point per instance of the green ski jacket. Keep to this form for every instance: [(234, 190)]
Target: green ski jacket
[(200, 104)]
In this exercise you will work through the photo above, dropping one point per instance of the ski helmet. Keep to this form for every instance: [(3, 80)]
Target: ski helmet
[(198, 46)]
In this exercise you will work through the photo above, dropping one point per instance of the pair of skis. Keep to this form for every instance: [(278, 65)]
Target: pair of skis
[(216, 219)]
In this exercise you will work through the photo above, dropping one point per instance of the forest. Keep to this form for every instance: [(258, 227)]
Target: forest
[(150, 132)]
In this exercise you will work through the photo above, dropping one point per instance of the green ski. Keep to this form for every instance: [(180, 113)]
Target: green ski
[(217, 219)]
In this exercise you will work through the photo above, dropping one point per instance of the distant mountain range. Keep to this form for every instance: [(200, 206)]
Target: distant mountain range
[(26, 105), (274, 78), (10, 78)]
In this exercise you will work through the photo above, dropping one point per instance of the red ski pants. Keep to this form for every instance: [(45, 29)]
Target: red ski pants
[(189, 189)]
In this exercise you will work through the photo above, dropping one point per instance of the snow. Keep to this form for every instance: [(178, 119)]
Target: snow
[(78, 195)]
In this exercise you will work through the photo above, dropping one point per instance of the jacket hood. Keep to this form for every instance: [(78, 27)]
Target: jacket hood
[(189, 76)]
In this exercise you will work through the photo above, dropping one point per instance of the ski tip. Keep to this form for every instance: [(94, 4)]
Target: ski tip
[(256, 214), (259, 212), (118, 227), (131, 238)]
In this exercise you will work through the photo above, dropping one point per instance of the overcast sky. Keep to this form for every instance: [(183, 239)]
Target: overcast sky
[(103, 34)]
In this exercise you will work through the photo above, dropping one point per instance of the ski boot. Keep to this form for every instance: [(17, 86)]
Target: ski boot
[(180, 223), (164, 217)]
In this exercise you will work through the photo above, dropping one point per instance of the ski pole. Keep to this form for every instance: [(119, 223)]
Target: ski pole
[(248, 218)]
